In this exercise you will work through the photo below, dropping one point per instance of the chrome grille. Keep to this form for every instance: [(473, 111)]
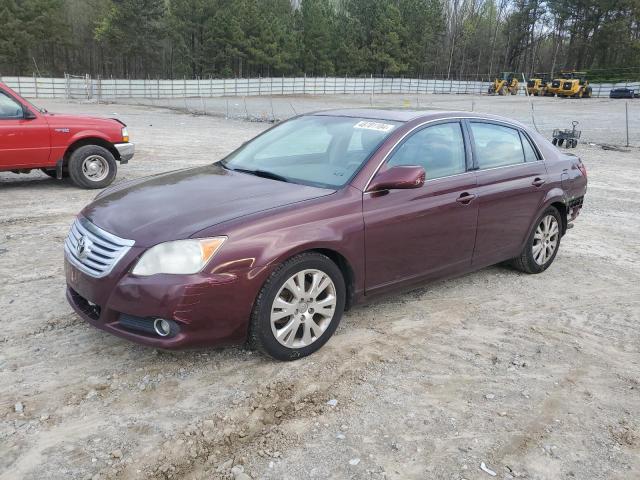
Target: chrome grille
[(92, 250)]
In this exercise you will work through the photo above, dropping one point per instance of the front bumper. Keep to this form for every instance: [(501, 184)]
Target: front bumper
[(126, 151), (209, 309)]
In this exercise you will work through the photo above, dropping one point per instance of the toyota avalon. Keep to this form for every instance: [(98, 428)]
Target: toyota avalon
[(272, 244)]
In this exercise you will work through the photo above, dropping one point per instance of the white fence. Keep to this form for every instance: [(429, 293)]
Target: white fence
[(87, 88)]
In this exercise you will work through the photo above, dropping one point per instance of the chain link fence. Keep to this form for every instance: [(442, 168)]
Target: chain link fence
[(602, 120)]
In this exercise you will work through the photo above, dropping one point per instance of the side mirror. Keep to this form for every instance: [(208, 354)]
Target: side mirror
[(398, 178), (28, 114)]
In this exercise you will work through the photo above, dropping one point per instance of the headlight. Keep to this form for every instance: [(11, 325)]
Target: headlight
[(125, 134), (179, 257)]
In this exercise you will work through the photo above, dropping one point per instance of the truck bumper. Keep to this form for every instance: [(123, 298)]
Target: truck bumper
[(126, 151)]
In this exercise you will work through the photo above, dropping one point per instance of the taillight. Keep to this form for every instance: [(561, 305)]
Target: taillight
[(582, 168)]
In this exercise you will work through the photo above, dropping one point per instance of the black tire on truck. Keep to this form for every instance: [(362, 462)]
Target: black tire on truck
[(92, 166)]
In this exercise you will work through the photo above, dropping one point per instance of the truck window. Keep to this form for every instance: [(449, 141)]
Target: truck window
[(9, 108)]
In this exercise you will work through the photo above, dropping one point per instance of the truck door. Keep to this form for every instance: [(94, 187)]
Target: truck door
[(24, 135)]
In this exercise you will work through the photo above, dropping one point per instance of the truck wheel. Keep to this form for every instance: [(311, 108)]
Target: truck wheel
[(92, 166)]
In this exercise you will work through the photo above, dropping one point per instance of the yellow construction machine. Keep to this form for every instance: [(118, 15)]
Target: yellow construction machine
[(538, 85), (571, 84), (507, 83)]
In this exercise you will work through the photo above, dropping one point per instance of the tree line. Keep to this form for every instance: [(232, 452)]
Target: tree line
[(250, 38)]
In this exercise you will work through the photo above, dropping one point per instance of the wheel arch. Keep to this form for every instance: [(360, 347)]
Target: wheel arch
[(101, 142), (341, 261), (562, 209), (346, 269)]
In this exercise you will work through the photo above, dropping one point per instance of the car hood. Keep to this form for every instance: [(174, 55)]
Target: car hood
[(176, 205), (58, 119)]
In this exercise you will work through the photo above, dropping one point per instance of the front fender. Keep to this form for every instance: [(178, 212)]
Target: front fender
[(331, 223), (85, 134)]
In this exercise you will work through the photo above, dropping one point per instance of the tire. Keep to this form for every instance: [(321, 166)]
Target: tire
[(554, 141), (282, 288), (535, 258), (560, 141), (92, 166)]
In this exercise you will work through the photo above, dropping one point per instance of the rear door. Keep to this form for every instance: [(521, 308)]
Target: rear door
[(23, 142), (512, 183), (427, 231)]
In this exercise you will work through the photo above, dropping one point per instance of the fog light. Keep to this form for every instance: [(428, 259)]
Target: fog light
[(162, 327)]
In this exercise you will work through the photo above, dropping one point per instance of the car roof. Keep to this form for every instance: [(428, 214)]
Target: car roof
[(406, 115)]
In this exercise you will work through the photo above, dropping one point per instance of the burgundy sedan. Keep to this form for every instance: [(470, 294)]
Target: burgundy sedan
[(272, 244)]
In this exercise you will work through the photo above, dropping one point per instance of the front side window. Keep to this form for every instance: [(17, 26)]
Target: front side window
[(9, 108), (319, 150), (496, 145), (438, 149)]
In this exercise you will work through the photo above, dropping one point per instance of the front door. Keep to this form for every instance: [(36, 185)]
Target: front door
[(23, 142), (427, 231), (512, 183)]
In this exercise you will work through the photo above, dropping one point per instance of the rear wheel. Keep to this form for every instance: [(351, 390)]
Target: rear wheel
[(560, 141), (92, 166), (542, 245), (298, 308)]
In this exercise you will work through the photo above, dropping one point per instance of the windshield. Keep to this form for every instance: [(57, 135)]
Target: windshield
[(317, 150)]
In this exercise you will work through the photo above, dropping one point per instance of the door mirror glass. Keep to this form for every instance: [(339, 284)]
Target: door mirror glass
[(398, 178)]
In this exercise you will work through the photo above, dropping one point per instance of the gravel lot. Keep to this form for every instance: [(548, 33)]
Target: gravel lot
[(536, 376)]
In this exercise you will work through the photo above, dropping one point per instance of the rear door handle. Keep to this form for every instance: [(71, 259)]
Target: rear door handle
[(465, 198), (538, 182)]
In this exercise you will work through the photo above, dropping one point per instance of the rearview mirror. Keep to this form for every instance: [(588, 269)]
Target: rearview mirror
[(398, 178)]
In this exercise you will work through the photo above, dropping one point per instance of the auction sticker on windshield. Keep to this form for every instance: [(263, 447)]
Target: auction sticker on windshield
[(380, 127)]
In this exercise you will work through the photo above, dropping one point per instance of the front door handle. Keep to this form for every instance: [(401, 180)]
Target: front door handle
[(538, 182), (465, 198)]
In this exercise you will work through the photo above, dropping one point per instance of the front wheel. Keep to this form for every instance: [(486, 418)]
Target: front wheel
[(542, 245), (298, 308), (92, 166)]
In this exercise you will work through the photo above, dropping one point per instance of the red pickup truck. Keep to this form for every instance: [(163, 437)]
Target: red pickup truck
[(85, 149)]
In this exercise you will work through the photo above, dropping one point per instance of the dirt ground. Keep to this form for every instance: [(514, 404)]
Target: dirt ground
[(536, 376)]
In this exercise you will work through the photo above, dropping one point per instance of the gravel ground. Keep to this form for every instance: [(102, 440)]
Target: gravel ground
[(536, 376)]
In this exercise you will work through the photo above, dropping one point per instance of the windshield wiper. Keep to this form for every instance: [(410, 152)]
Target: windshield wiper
[(261, 173)]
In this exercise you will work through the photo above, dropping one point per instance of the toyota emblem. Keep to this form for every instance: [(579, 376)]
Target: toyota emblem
[(83, 249)]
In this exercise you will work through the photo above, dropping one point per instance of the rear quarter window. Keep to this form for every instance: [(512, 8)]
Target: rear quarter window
[(530, 154)]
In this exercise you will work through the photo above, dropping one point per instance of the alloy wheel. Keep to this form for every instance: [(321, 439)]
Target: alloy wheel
[(545, 239), (303, 308)]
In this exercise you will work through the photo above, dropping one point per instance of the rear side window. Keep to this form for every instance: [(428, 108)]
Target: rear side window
[(9, 108), (530, 154), (496, 145), (438, 149)]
